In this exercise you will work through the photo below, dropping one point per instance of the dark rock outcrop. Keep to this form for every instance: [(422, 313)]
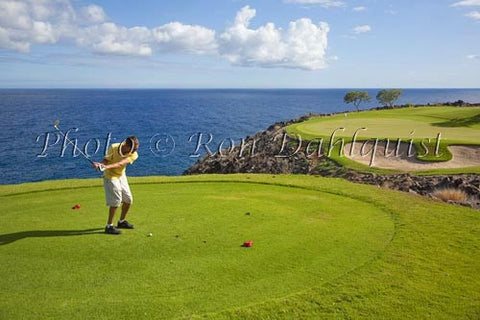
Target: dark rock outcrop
[(269, 151)]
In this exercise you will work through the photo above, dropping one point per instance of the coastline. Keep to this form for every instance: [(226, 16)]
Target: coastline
[(276, 153)]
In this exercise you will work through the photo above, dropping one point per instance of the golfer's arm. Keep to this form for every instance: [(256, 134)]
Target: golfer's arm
[(116, 164)]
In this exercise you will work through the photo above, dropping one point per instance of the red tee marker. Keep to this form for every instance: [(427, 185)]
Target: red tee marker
[(76, 207), (248, 243)]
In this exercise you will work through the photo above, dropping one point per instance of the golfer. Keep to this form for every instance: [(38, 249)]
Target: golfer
[(117, 190)]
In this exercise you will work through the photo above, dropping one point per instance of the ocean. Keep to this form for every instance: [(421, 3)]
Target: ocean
[(170, 124)]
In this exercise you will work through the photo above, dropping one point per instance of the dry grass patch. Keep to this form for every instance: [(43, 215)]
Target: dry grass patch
[(451, 194)]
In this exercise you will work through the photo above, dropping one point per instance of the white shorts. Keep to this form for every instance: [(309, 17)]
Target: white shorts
[(117, 191)]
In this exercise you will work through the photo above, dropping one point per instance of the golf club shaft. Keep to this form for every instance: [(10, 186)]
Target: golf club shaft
[(74, 145)]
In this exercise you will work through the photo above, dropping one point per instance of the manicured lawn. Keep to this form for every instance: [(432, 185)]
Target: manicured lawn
[(322, 247), (424, 125), (456, 125)]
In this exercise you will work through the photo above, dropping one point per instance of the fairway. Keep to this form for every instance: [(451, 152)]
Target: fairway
[(456, 125), (315, 239), (430, 137)]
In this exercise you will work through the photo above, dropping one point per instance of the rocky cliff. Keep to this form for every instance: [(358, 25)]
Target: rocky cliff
[(272, 151)]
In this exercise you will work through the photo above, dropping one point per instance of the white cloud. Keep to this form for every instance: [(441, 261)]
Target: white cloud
[(29, 22), (323, 3), (109, 38), (177, 36), (303, 45), (466, 3), (24, 23), (362, 29), (93, 14), (359, 9), (475, 15), (473, 57)]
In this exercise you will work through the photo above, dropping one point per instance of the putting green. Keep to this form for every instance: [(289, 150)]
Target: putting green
[(57, 263)]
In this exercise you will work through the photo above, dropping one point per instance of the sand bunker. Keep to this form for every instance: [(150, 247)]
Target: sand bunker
[(405, 159)]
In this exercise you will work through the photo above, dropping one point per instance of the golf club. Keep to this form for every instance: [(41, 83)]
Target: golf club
[(99, 168)]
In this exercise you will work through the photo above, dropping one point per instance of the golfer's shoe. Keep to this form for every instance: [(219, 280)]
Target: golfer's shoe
[(125, 225), (112, 230)]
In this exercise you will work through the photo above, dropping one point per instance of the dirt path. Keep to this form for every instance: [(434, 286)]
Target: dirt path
[(463, 156)]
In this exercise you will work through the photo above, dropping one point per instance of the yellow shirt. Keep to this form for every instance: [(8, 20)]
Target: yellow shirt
[(113, 156)]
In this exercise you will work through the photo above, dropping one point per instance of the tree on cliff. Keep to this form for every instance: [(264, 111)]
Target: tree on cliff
[(388, 97), (356, 97)]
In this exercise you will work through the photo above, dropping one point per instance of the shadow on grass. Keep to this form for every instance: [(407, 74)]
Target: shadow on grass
[(12, 237), (459, 122)]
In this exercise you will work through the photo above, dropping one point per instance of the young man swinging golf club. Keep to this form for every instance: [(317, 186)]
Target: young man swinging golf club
[(117, 190)]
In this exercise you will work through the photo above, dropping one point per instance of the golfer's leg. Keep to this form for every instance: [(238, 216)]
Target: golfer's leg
[(125, 208), (127, 197), (113, 196), (111, 214)]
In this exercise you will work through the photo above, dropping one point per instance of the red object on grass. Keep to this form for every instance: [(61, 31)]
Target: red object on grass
[(76, 207), (248, 244)]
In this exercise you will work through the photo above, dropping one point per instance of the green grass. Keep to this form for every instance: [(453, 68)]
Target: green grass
[(455, 125), (322, 248)]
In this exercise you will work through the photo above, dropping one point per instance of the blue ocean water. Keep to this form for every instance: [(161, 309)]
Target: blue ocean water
[(167, 122)]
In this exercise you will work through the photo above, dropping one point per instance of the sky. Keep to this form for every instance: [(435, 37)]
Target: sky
[(240, 44)]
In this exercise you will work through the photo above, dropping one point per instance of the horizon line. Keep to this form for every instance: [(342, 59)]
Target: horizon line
[(237, 88)]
